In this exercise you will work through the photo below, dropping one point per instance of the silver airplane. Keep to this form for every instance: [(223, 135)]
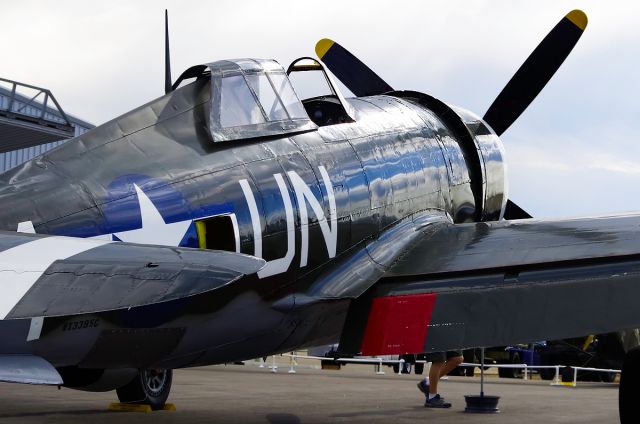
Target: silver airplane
[(235, 218)]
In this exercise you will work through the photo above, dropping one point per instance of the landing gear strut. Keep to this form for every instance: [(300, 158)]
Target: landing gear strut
[(150, 387), (630, 387)]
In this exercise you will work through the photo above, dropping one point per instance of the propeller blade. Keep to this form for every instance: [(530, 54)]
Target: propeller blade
[(536, 71), (513, 211), (354, 74)]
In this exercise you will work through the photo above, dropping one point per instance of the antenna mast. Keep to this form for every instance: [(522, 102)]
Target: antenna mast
[(167, 58)]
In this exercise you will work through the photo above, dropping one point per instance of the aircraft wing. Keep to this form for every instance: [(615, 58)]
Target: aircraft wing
[(28, 369), (498, 283), (43, 276)]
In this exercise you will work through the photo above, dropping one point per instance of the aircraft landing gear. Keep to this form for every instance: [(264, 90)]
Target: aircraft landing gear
[(629, 387), (150, 387)]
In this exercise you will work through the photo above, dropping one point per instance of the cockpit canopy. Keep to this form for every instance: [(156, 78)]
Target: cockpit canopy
[(253, 98)]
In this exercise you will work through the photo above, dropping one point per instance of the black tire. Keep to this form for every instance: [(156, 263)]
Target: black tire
[(566, 374), (469, 356), (150, 387), (547, 373), (418, 368), (607, 377), (470, 371), (506, 373), (396, 368), (511, 372), (629, 387)]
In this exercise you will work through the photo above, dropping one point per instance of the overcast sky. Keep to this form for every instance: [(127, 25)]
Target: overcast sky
[(575, 151)]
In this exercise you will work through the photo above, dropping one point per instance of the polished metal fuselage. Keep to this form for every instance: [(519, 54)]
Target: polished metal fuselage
[(399, 161)]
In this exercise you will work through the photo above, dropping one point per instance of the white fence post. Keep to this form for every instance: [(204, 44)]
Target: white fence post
[(556, 378), (292, 363)]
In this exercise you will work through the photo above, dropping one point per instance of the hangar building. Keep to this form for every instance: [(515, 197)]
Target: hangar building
[(32, 122)]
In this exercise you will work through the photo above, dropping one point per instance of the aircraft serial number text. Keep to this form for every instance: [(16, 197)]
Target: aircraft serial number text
[(79, 325)]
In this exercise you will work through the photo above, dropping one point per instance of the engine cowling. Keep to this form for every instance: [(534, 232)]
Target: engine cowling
[(491, 159), (482, 150)]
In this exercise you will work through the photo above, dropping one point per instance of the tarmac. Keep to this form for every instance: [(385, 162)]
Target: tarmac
[(354, 394)]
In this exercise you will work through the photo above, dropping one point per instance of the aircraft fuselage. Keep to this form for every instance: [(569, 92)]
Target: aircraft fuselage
[(301, 202)]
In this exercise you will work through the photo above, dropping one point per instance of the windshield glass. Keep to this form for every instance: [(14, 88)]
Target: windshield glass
[(253, 98), (238, 105), (288, 96), (272, 107)]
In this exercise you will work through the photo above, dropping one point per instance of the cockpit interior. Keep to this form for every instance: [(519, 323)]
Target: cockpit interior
[(318, 93)]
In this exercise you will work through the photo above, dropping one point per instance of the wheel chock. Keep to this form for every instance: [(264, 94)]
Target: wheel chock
[(567, 383), (129, 407), (136, 407)]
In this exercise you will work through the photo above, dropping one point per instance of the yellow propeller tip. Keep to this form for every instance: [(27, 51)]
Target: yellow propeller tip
[(578, 18), (323, 46)]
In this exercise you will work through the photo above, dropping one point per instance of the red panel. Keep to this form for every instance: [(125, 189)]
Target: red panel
[(398, 324)]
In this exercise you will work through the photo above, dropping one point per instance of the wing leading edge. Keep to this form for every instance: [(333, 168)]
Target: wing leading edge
[(28, 369), (44, 276), (491, 284)]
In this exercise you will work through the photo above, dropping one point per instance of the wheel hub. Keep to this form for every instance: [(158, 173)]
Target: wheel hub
[(154, 381)]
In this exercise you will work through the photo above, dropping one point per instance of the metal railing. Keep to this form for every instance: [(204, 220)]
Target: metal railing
[(42, 107), (379, 362), (576, 369)]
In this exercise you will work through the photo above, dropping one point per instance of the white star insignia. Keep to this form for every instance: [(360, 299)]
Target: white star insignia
[(155, 229)]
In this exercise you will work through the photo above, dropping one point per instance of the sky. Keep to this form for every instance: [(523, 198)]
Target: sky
[(575, 151)]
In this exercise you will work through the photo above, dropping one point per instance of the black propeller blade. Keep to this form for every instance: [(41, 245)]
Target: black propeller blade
[(354, 74), (535, 72), (516, 96), (513, 211)]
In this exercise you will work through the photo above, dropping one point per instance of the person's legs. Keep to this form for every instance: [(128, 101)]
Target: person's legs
[(429, 386), (449, 365), (434, 400), (434, 375)]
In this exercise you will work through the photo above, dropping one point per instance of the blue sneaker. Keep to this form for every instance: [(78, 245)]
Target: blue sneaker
[(436, 402), (423, 387)]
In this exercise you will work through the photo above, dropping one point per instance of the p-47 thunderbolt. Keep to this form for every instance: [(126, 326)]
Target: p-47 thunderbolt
[(252, 210)]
